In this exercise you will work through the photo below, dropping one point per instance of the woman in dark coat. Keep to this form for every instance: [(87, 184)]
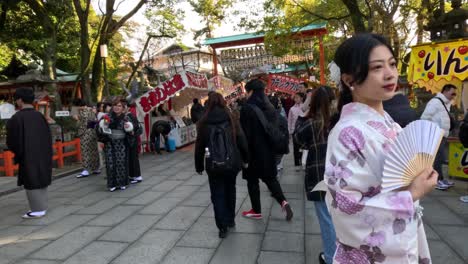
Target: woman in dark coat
[(262, 158), (313, 135), (222, 185), (116, 147), (29, 138)]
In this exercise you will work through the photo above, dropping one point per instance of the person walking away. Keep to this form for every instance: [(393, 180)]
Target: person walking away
[(438, 111), (312, 135), (371, 226), (400, 110), (88, 139), (262, 162), (29, 138), (160, 128), (294, 113), (132, 141), (220, 140), (197, 110), (115, 147), (274, 100)]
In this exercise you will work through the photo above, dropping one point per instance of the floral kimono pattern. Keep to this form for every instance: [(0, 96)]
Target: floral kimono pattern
[(88, 140), (371, 226)]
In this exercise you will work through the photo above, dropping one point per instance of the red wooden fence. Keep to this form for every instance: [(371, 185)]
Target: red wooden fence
[(9, 168)]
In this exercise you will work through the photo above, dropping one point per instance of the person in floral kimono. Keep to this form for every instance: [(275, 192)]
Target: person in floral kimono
[(88, 139), (371, 226)]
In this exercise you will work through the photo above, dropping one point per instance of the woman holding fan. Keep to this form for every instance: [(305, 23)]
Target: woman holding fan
[(371, 226)]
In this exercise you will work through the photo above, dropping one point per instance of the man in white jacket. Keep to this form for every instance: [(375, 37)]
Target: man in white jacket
[(437, 110)]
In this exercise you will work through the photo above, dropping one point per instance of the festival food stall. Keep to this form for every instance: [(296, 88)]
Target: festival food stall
[(433, 65), (178, 92)]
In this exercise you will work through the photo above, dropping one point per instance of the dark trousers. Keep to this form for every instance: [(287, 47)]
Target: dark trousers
[(254, 191), (440, 158), (156, 142), (223, 197), (297, 153), (133, 162)]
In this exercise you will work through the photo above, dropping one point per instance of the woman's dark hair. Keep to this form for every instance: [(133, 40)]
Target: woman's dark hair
[(259, 98), (352, 57), (79, 102), (99, 105), (302, 95), (275, 101), (320, 109), (216, 100)]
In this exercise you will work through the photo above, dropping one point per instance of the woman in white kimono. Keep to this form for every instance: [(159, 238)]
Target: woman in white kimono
[(371, 226)]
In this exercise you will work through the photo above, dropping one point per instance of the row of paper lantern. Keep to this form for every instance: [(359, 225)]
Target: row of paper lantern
[(264, 60), (259, 50)]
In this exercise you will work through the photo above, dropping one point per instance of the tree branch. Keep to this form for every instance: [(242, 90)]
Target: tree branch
[(124, 19), (318, 15)]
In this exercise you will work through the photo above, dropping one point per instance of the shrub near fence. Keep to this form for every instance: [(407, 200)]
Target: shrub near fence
[(59, 154)]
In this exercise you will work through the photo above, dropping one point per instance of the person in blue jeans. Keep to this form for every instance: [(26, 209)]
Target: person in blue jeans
[(313, 135), (160, 128)]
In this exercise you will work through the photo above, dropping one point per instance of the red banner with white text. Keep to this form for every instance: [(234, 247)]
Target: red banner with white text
[(283, 83), (169, 88)]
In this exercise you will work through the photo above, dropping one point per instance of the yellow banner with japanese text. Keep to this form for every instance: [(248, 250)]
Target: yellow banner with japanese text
[(433, 62)]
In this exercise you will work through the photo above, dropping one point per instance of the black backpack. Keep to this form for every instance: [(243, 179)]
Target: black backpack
[(222, 156), (278, 134), (463, 132)]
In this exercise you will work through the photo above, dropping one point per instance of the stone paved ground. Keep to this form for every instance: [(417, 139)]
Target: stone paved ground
[(169, 219)]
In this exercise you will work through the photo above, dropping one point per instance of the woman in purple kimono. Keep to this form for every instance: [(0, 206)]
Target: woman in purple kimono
[(371, 226)]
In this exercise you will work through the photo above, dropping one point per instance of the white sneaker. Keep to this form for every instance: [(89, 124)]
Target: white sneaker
[(83, 174), (464, 199), (441, 186), (448, 183)]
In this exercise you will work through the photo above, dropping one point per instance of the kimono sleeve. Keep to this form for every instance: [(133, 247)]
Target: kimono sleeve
[(364, 218), (14, 137)]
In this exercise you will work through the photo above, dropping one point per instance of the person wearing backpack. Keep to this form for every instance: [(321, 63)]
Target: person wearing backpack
[(265, 139), (438, 111), (221, 150)]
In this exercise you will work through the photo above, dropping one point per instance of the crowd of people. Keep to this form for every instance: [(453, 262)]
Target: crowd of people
[(340, 144)]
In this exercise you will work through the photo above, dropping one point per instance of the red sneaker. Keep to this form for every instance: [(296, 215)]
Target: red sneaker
[(251, 214)]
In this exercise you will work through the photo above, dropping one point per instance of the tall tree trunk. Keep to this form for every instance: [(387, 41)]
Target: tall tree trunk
[(96, 82), (357, 18), (85, 52), (49, 61)]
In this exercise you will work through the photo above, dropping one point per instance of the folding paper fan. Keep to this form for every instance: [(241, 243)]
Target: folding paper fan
[(414, 150)]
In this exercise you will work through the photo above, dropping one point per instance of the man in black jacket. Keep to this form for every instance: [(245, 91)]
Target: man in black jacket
[(400, 110), (29, 138), (262, 157), (160, 128), (197, 111)]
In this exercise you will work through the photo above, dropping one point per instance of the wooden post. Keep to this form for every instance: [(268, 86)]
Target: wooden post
[(59, 146), (215, 62), (322, 61), (78, 149), (8, 163)]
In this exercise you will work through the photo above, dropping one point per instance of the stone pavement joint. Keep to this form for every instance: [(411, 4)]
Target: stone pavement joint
[(168, 218)]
